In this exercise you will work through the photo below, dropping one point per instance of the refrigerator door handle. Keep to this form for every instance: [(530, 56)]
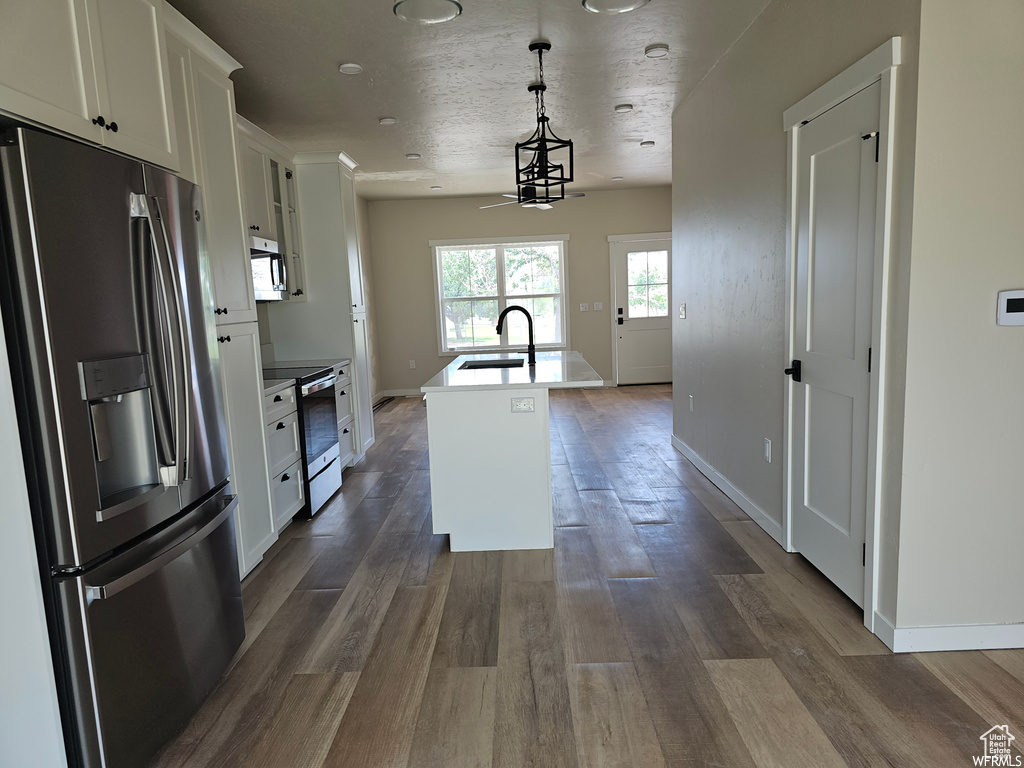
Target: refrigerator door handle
[(181, 375), (111, 588)]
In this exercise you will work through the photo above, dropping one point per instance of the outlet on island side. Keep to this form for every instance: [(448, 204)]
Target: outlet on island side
[(412, 365), (522, 405)]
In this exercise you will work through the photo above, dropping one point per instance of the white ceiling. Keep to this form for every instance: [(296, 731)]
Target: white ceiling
[(459, 89)]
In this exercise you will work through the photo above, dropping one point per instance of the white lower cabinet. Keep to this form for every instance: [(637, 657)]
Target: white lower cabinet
[(284, 455), (288, 494), (243, 397)]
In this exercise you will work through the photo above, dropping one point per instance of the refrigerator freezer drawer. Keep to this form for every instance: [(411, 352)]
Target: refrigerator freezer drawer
[(158, 637)]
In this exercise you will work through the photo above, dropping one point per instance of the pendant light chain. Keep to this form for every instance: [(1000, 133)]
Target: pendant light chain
[(540, 93)]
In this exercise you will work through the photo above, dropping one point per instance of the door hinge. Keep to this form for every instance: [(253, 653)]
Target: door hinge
[(869, 359), (864, 554), (872, 135)]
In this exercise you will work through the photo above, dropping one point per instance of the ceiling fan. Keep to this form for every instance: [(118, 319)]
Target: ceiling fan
[(531, 200)]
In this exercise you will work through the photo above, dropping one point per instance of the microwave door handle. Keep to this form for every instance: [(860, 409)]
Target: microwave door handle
[(282, 269), (150, 289), (176, 328)]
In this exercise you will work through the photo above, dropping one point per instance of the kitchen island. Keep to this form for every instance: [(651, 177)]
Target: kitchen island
[(490, 455)]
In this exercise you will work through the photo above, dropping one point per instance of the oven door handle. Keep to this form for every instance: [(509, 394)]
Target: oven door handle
[(317, 386)]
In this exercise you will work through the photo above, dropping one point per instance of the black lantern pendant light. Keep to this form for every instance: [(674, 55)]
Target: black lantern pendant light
[(543, 161)]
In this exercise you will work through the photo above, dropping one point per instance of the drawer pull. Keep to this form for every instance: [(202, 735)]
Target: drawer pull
[(285, 477), (344, 431), (280, 425), (343, 392), (278, 398)]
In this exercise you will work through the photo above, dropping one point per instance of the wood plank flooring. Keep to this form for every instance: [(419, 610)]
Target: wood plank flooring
[(665, 629)]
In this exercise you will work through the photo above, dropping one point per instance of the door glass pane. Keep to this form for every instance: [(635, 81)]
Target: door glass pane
[(469, 272), (657, 267), (637, 268), (657, 300), (531, 269), (638, 301)]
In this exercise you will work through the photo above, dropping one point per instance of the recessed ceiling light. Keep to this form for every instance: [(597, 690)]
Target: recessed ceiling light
[(351, 68), (388, 120), (647, 143), (613, 6), (426, 11), (436, 187), (623, 107), (616, 178), (656, 51), (412, 156)]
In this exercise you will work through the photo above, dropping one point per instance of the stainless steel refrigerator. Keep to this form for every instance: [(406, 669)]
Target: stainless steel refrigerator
[(109, 309)]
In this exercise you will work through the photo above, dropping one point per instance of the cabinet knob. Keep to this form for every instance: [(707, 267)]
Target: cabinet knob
[(343, 392), (280, 425), (278, 398), (111, 126), (344, 431), (285, 477), (353, 305), (297, 292), (222, 339), (99, 121)]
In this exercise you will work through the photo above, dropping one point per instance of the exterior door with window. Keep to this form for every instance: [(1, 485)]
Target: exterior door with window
[(640, 311), (836, 188)]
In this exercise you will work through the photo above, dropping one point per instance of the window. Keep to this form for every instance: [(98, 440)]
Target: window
[(648, 283), (476, 281)]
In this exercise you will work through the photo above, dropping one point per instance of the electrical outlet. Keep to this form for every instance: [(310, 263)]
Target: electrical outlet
[(682, 311), (584, 307), (691, 403), (522, 405), (598, 306), (412, 365), (768, 450)]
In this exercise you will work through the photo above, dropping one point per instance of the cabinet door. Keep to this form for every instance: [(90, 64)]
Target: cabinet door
[(180, 71), (361, 378), (225, 233), (256, 171), (132, 81), (46, 66), (355, 264), (243, 399)]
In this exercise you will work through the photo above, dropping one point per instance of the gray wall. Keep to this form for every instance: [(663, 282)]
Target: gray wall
[(729, 224)]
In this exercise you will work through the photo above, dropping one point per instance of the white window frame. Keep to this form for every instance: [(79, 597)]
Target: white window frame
[(500, 243)]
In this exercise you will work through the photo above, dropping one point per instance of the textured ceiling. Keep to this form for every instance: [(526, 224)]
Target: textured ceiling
[(459, 89)]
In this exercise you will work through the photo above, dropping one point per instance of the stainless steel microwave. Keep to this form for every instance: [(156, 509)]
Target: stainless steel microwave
[(269, 270)]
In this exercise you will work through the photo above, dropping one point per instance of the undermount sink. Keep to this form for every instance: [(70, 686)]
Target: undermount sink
[(509, 363)]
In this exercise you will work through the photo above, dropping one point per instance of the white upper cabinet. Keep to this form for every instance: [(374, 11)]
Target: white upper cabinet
[(46, 66), (229, 250), (132, 81), (355, 264), (96, 69), (257, 173), (179, 68)]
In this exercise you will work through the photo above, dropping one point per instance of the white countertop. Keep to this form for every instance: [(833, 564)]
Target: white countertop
[(273, 386), (554, 370)]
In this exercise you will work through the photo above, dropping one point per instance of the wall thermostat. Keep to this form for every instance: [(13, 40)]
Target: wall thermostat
[(1011, 308)]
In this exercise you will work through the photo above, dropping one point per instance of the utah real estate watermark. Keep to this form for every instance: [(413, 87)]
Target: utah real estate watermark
[(997, 750)]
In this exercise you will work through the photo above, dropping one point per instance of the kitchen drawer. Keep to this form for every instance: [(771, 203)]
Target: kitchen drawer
[(347, 441), (284, 443), (287, 494), (344, 372), (343, 396), (279, 404)]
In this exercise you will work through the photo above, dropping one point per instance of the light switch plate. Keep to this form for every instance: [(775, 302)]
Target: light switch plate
[(768, 450), (598, 306), (522, 405), (584, 307), (682, 311)]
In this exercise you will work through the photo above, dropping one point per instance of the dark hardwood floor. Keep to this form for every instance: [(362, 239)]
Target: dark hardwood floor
[(665, 629)]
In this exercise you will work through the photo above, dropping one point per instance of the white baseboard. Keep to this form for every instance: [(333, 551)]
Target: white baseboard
[(973, 637), (758, 515), (398, 393)]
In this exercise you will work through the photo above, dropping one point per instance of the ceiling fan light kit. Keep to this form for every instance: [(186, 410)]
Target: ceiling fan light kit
[(610, 7), (427, 11)]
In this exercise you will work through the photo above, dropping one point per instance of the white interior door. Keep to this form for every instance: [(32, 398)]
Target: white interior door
[(642, 276), (836, 181)]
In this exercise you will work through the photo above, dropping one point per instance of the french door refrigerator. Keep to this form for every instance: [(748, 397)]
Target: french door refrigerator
[(108, 304)]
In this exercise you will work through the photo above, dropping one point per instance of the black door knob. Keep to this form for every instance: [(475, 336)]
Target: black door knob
[(795, 371)]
